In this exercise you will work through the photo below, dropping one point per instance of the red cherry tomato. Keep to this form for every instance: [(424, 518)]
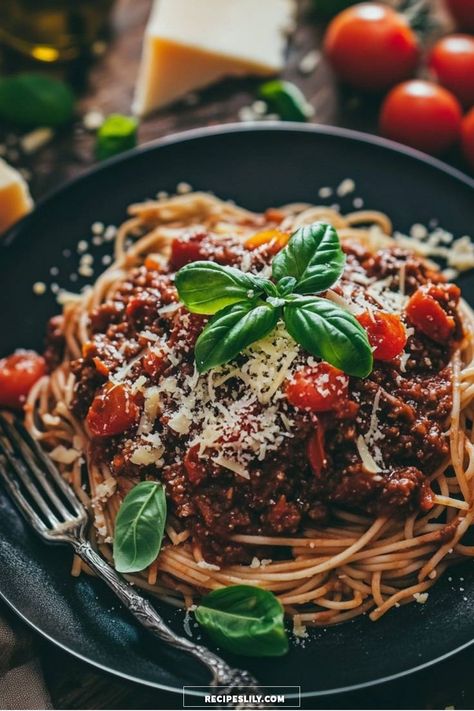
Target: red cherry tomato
[(318, 388), (112, 412), (18, 373), (371, 47), (386, 333), (185, 251), (428, 316), (452, 62), (463, 13), (315, 450), (467, 137), (422, 115)]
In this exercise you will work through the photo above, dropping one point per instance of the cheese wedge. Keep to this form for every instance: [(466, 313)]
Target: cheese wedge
[(15, 198), (189, 44)]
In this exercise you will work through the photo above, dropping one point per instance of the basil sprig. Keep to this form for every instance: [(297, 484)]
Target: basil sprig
[(139, 527), (245, 620), (246, 307)]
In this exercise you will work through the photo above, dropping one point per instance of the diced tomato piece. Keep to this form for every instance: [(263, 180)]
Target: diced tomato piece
[(185, 251), (276, 236), (386, 333), (18, 373), (194, 465), (112, 412), (154, 363), (101, 367), (153, 263), (315, 450), (426, 313), (318, 388)]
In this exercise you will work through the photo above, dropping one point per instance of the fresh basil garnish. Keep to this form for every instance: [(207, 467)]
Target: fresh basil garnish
[(33, 100), (139, 527), (313, 256), (245, 620), (329, 332), (231, 330), (207, 287), (246, 307)]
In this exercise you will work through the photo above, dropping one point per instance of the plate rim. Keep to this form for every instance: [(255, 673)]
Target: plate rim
[(235, 127), (182, 137)]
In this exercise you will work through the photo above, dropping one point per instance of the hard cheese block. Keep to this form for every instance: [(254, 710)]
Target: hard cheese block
[(191, 43), (15, 199)]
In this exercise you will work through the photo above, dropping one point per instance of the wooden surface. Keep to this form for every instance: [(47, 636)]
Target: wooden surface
[(106, 83)]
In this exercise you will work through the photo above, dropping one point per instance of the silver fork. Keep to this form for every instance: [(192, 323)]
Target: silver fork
[(51, 507)]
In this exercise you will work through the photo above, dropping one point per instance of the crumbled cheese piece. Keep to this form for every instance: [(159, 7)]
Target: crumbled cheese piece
[(39, 288), (33, 141), (368, 461), (64, 455), (309, 62), (105, 489), (347, 186), (299, 629), (207, 566), (421, 598)]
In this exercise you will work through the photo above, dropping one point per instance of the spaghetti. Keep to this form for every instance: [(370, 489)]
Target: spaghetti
[(324, 568)]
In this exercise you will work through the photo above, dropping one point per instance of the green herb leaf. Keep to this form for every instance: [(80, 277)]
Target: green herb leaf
[(139, 527), (117, 134), (286, 99), (231, 330), (245, 620), (313, 256), (207, 287), (327, 331), (33, 100)]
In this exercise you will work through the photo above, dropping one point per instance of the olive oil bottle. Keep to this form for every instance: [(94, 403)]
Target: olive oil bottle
[(52, 30)]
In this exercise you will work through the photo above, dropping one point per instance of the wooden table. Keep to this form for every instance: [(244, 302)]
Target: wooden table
[(106, 84)]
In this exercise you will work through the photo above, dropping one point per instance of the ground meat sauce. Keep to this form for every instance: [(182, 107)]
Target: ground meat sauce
[(283, 493)]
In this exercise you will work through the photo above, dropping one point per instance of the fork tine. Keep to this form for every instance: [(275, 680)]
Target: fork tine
[(25, 447), (20, 470), (26, 442), (18, 497)]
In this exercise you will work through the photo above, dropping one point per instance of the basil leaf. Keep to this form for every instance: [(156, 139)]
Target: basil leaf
[(327, 331), (207, 287), (245, 620), (139, 527), (231, 330), (313, 256), (32, 100), (286, 99), (117, 134)]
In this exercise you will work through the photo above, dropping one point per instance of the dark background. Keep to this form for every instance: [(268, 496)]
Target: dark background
[(106, 83)]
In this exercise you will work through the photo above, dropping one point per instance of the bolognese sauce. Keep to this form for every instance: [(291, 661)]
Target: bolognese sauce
[(322, 440)]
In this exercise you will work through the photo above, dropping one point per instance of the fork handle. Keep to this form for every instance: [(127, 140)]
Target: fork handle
[(222, 674)]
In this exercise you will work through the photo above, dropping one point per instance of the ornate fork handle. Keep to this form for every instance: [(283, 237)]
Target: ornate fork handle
[(232, 680)]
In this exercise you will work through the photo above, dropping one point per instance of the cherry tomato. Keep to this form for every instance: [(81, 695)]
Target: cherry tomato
[(276, 236), (428, 316), (463, 13), (371, 47), (386, 333), (315, 450), (422, 115), (185, 251), (317, 388), (452, 62), (467, 137), (112, 412), (18, 373)]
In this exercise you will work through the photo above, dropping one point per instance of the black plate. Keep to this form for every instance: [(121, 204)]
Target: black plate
[(256, 166)]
